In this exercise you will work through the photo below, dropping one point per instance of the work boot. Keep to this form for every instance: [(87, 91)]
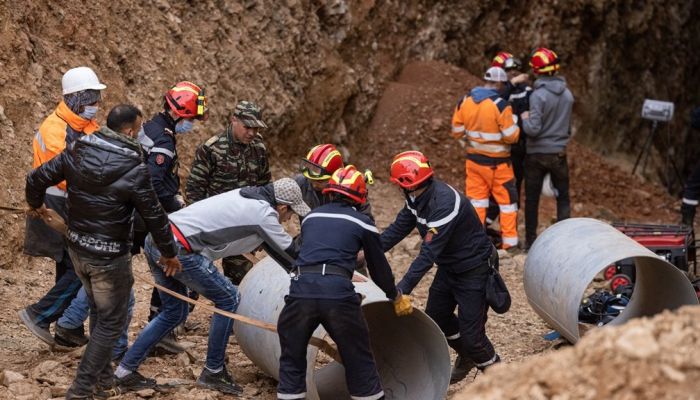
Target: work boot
[(107, 392), (133, 382), (40, 332), (70, 337), (221, 381), (462, 367), (168, 345)]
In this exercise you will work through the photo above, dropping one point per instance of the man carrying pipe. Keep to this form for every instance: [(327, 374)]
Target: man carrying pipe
[(231, 223), (454, 239), (321, 291)]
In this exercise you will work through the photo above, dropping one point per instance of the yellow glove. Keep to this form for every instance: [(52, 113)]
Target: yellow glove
[(402, 305)]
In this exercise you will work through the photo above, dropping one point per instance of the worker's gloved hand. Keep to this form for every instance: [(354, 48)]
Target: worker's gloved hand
[(402, 305)]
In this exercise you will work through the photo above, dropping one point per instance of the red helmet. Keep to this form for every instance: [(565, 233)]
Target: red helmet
[(506, 61), (349, 182), (187, 100), (409, 169), (544, 61), (321, 162)]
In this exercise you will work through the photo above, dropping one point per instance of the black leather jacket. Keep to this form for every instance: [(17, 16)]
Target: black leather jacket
[(107, 180)]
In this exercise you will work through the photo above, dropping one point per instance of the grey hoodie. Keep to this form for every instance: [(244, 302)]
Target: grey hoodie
[(549, 124)]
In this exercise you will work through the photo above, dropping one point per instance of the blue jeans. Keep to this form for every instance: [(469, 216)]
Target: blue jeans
[(79, 310), (107, 284), (199, 274)]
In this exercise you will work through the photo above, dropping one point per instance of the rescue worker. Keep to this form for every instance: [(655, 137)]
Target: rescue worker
[(74, 116), (517, 93), (486, 120), (231, 223), (691, 192), (183, 105), (455, 241), (103, 197), (321, 291), (316, 170), (231, 160), (548, 127)]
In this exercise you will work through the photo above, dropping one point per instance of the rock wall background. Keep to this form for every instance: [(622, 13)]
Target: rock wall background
[(319, 67)]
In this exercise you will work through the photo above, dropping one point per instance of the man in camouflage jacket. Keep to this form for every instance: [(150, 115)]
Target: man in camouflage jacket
[(230, 160)]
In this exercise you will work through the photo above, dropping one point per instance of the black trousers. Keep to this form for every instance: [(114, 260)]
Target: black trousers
[(536, 167), (466, 292), (344, 322)]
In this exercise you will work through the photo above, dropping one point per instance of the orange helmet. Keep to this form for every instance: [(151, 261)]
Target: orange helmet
[(187, 100), (321, 162), (544, 61), (409, 169), (349, 182), (506, 61)]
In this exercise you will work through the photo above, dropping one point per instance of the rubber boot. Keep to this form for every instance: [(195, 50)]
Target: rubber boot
[(463, 364), (687, 214)]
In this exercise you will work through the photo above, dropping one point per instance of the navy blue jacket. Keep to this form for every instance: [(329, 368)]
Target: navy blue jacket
[(333, 234), (160, 145), (519, 98), (453, 236)]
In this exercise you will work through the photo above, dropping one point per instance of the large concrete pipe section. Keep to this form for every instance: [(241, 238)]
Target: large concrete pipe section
[(566, 258), (411, 352)]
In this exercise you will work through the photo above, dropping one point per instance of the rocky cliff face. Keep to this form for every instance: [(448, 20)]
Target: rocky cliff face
[(318, 67)]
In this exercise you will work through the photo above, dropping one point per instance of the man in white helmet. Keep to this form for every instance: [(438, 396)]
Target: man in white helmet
[(74, 116)]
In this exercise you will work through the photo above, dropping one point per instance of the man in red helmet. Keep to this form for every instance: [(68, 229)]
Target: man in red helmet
[(548, 127), (183, 105), (454, 240), (231, 160), (321, 292)]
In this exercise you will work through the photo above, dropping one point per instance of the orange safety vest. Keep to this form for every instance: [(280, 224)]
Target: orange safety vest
[(50, 139), (488, 126)]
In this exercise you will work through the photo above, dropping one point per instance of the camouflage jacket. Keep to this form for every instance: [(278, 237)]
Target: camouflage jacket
[(223, 163)]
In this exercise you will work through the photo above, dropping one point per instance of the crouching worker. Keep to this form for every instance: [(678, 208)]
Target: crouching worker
[(228, 224), (321, 291), (455, 240)]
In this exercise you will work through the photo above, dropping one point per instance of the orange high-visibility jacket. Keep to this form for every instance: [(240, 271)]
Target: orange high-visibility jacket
[(50, 139), (486, 121)]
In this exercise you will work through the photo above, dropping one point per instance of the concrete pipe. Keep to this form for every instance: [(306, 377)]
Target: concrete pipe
[(566, 258), (411, 352)]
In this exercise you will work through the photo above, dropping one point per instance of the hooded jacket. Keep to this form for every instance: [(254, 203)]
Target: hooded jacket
[(549, 125), (107, 180), (486, 121)]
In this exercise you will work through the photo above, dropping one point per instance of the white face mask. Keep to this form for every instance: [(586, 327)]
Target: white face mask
[(89, 112), (140, 134), (184, 126)]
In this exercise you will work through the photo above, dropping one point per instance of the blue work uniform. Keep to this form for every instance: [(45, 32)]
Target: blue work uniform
[(454, 239), (162, 161), (321, 293)]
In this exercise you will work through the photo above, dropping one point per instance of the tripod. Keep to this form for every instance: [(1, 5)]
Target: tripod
[(669, 162), (645, 149)]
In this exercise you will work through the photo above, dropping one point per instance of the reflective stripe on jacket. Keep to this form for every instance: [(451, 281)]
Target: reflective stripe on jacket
[(486, 121)]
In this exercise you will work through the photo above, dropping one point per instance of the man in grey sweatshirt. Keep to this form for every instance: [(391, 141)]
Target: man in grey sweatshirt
[(548, 129)]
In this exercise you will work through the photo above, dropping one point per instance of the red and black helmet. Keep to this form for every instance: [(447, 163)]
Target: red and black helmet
[(410, 169), (349, 182), (544, 61), (187, 100), (321, 162)]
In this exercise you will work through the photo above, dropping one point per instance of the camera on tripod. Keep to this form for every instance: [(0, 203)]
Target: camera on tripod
[(657, 110)]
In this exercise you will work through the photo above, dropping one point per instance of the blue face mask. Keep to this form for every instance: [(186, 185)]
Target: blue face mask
[(184, 126), (89, 112)]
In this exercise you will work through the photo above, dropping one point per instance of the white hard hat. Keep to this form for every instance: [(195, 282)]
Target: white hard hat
[(79, 79), (495, 74), (548, 188)]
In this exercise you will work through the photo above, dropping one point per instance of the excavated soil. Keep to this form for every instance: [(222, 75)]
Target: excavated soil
[(651, 358)]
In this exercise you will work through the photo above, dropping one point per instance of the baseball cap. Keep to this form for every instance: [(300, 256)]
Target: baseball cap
[(249, 114), (288, 192), (495, 74)]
